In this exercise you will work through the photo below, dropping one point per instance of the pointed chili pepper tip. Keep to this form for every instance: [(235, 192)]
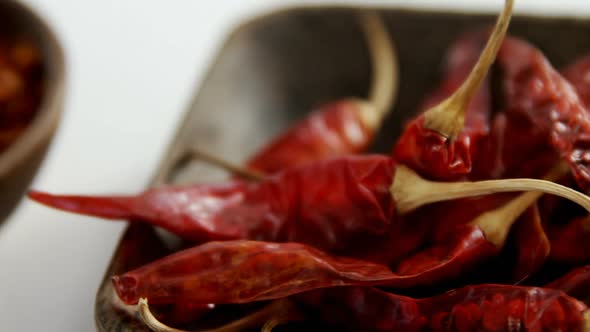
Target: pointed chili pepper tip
[(126, 288), (38, 196)]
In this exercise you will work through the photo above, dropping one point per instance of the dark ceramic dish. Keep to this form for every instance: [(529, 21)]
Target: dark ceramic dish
[(20, 161), (273, 69)]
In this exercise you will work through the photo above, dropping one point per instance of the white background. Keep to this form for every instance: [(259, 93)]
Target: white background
[(132, 66)]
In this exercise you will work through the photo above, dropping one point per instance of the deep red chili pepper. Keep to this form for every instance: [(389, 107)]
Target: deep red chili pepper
[(334, 129), (342, 127), (531, 243), (546, 110), (427, 151), (468, 309), (340, 199), (245, 271)]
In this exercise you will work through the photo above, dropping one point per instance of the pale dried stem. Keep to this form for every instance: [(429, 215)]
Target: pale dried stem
[(496, 223), (226, 165), (272, 312), (410, 191), (586, 323), (385, 70), (448, 118)]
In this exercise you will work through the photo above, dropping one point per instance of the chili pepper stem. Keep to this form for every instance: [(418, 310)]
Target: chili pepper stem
[(496, 223), (385, 70), (226, 165), (448, 118), (269, 317), (586, 316), (410, 191)]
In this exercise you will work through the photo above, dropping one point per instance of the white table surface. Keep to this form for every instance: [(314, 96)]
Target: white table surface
[(132, 66)]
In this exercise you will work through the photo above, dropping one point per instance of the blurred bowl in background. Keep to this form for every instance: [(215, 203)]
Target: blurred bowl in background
[(32, 60)]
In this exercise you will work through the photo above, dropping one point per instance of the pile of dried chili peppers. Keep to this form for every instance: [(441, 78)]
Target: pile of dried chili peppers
[(451, 232), (21, 84)]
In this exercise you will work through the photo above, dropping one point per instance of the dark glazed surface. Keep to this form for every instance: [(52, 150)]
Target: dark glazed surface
[(19, 163), (273, 69)]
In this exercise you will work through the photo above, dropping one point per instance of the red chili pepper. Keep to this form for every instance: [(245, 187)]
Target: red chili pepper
[(468, 309), (546, 110), (339, 199), (531, 243), (342, 127), (245, 271), (427, 151)]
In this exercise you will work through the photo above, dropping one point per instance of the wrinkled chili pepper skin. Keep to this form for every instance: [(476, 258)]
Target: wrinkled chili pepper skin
[(427, 151), (578, 74), (575, 283), (247, 271), (334, 130), (242, 271), (546, 107), (467, 309), (326, 204), (570, 243)]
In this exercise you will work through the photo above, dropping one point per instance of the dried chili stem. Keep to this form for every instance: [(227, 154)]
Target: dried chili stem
[(268, 317), (226, 165), (410, 191), (385, 70), (497, 223), (448, 117)]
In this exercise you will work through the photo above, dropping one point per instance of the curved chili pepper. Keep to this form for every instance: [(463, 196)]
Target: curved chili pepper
[(340, 199), (342, 127), (468, 309), (427, 151), (245, 271)]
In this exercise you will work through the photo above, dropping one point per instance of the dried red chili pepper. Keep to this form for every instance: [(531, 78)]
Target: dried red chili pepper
[(577, 74), (547, 113), (340, 127), (440, 142), (340, 199), (472, 308), (531, 243)]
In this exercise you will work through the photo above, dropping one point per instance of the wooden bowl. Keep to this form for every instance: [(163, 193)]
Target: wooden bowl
[(19, 162), (273, 69)]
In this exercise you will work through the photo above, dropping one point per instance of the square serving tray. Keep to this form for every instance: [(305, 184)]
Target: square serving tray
[(273, 69)]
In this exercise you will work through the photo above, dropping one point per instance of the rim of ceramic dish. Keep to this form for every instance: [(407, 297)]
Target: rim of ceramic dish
[(45, 122)]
